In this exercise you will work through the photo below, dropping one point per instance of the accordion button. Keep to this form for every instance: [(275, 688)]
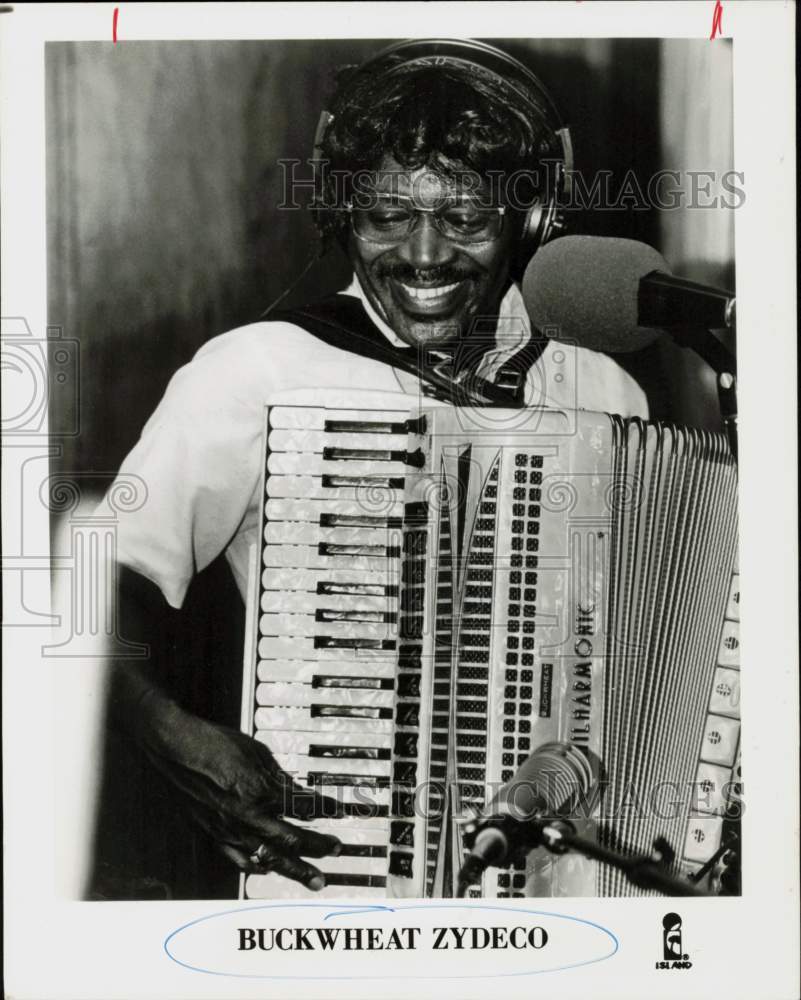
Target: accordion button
[(729, 649), (703, 838), (725, 698), (711, 781), (719, 744), (733, 606)]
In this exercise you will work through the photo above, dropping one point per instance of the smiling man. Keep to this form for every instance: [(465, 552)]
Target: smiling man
[(430, 258), (421, 145)]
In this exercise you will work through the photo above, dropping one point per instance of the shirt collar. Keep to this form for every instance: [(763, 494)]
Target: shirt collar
[(512, 332)]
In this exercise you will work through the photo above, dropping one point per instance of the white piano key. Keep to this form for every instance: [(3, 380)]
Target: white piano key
[(297, 509), (304, 533), (295, 764), (303, 695), (301, 579), (303, 671), (311, 488), (703, 837), (360, 795), (308, 440), (308, 556), (306, 463), (316, 417), (307, 625), (347, 864), (377, 835), (719, 743), (725, 699), (276, 887), (283, 647), (300, 718), (301, 742), (296, 602)]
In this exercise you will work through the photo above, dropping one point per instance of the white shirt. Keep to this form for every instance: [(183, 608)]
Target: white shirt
[(201, 453)]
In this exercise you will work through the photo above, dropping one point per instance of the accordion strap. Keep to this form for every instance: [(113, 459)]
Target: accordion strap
[(342, 322)]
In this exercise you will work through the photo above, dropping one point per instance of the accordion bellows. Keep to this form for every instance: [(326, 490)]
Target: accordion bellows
[(440, 593)]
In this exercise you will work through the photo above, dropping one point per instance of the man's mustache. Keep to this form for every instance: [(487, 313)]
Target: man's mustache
[(443, 274)]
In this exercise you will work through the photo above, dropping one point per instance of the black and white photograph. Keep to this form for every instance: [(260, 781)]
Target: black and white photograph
[(380, 419)]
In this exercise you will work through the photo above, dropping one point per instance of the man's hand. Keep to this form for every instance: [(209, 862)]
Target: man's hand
[(237, 792), (232, 783)]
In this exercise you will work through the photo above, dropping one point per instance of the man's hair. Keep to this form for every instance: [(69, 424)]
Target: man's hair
[(451, 118)]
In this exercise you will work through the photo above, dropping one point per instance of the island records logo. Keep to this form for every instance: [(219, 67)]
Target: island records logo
[(673, 954)]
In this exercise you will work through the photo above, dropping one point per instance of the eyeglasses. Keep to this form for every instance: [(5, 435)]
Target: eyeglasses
[(391, 220)]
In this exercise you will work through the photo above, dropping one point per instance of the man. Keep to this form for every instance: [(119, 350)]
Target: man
[(415, 149)]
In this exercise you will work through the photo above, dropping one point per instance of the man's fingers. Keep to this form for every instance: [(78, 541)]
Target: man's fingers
[(310, 843), (299, 871), (268, 857), (303, 803)]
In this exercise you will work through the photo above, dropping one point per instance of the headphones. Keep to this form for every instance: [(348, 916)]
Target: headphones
[(545, 218)]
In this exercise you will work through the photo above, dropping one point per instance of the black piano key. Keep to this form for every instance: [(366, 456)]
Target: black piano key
[(368, 683), (346, 878), (363, 851), (359, 589), (349, 753), (355, 615), (347, 780), (384, 482), (349, 712), (416, 459), (364, 427), (351, 642), (359, 521), (377, 551)]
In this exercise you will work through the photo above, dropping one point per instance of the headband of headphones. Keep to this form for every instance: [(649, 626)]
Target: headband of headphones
[(544, 219)]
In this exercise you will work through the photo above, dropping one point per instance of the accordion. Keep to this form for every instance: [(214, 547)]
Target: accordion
[(442, 592)]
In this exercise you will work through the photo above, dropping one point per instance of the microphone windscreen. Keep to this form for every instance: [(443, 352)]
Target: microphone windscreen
[(583, 290), (554, 776)]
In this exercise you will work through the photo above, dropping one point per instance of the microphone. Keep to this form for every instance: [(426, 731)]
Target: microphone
[(616, 295), (554, 778)]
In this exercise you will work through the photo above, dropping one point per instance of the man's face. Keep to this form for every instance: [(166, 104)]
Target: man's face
[(430, 287)]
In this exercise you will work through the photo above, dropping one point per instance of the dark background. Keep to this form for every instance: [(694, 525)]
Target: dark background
[(163, 231)]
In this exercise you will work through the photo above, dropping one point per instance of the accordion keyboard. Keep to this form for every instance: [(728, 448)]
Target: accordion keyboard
[(327, 626)]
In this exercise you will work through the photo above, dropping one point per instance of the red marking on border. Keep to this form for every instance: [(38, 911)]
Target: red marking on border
[(114, 25), (717, 20)]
